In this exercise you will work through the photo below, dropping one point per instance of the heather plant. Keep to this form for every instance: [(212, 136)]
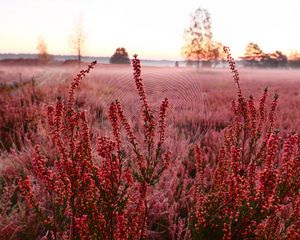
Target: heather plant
[(149, 158), (72, 197), (254, 189), (76, 198)]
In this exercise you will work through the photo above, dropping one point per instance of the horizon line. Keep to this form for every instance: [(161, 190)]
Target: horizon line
[(91, 56)]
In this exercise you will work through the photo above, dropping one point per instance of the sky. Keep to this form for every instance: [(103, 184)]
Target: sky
[(153, 29)]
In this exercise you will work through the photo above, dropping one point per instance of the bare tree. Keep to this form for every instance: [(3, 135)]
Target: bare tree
[(78, 41), (198, 39)]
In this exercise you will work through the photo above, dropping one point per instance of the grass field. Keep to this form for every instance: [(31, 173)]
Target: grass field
[(199, 113)]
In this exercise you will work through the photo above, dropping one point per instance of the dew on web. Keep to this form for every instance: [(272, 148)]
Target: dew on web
[(188, 112)]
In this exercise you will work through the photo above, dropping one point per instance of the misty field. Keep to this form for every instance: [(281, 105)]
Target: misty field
[(207, 163)]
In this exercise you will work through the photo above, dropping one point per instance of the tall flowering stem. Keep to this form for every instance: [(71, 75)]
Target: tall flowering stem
[(236, 75), (149, 124), (150, 159), (75, 83)]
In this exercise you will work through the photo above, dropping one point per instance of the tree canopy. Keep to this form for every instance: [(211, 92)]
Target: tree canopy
[(198, 39), (120, 56), (255, 56), (253, 52)]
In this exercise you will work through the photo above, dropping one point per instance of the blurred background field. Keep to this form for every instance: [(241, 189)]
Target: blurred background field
[(199, 98)]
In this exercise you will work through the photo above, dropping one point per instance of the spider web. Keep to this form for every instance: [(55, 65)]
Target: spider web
[(188, 112)]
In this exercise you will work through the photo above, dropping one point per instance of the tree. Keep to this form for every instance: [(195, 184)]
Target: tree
[(215, 51), (78, 41), (120, 56), (198, 39), (253, 52), (43, 55), (294, 55), (254, 56), (294, 59), (276, 59)]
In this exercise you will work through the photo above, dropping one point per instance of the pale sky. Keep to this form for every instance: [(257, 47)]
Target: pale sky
[(153, 29)]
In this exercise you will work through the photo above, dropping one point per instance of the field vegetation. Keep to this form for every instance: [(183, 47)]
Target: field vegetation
[(132, 152)]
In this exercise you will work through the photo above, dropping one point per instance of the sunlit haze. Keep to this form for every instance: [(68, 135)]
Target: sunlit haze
[(154, 29)]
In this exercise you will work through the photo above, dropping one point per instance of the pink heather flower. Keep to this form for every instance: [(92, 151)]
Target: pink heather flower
[(26, 190), (126, 125), (262, 108), (162, 125), (82, 227), (199, 166), (272, 113), (231, 63), (75, 84), (105, 147), (149, 124), (253, 117), (113, 117), (39, 163), (267, 176)]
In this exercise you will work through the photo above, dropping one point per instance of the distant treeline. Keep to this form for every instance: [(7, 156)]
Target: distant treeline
[(65, 60), (265, 63), (271, 63)]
